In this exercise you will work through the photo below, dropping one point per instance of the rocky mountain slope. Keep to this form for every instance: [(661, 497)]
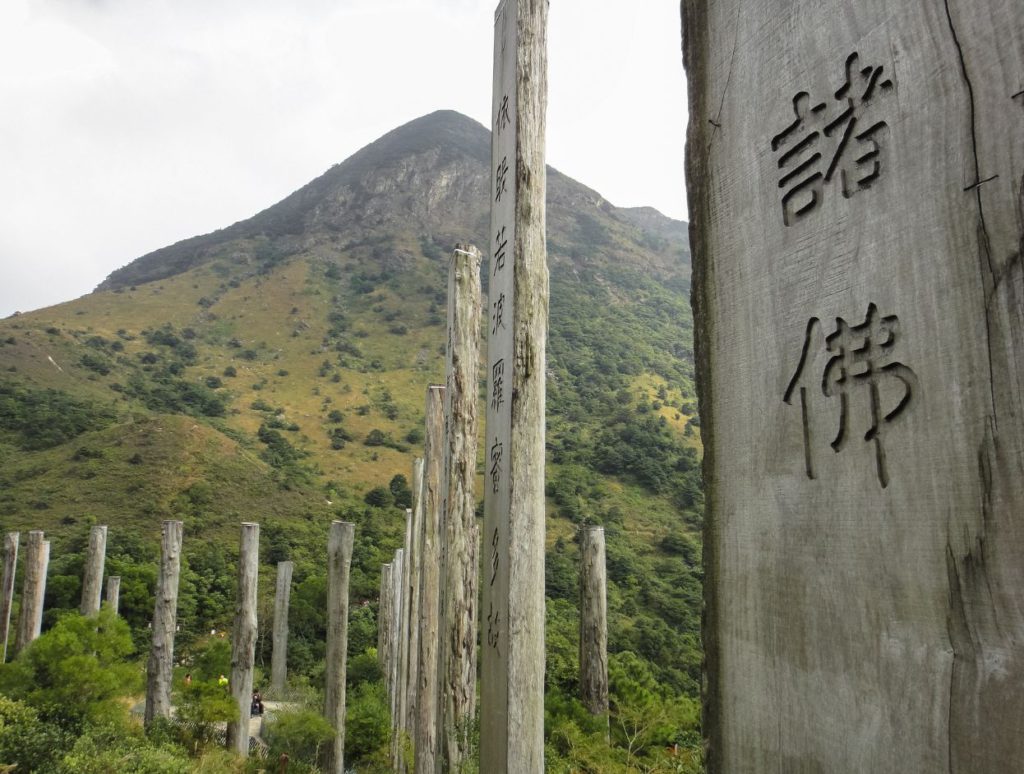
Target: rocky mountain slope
[(275, 371)]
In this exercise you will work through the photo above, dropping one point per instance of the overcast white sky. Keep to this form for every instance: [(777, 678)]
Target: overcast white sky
[(126, 125)]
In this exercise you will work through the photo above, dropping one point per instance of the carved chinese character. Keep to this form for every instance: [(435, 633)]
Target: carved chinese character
[(501, 179), (821, 142), (496, 452), (503, 119), (500, 243), (498, 384), (498, 314), (860, 360), (494, 556), (493, 626)]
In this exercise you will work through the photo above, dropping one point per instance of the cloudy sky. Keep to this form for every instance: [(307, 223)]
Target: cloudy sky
[(126, 125)]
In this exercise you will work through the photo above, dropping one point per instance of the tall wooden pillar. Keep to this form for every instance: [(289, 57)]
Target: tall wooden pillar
[(279, 656), (243, 637), (159, 668), (593, 621), (114, 592), (339, 560), (512, 617), (92, 579), (33, 590), (7, 587)]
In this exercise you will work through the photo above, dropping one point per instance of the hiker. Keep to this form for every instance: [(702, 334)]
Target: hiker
[(222, 681), (256, 708), (188, 679)]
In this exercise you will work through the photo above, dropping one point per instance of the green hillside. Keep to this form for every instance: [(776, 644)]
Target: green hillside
[(275, 371)]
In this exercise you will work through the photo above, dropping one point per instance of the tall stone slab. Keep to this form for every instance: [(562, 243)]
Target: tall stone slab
[(279, 656), (114, 592), (430, 579), (33, 589), (593, 621), (512, 614), (855, 180), (339, 561), (243, 637), (160, 666), (460, 554), (92, 579), (7, 587)]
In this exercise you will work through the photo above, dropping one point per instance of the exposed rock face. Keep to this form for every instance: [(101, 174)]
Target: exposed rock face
[(859, 338)]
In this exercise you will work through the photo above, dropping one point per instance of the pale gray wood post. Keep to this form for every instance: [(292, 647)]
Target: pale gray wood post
[(383, 622), (395, 626), (114, 592), (7, 587), (339, 559), (159, 668), (398, 719), (430, 578), (412, 622), (593, 621), (858, 295), (279, 656), (92, 578), (512, 616), (33, 589), (460, 565), (243, 637)]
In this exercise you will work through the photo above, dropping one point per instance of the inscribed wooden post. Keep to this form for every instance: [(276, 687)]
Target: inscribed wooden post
[(512, 616), (7, 587), (159, 668), (855, 175), (243, 637)]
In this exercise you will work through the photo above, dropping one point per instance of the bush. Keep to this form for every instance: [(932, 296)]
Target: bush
[(379, 497), (301, 734)]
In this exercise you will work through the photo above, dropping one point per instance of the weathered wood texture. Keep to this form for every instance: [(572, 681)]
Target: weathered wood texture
[(384, 622), (395, 625), (339, 560), (460, 547), (159, 668), (512, 658), (33, 589), (400, 711), (593, 621), (279, 656), (430, 578), (114, 592), (859, 319), (92, 578), (410, 643), (243, 637), (7, 587)]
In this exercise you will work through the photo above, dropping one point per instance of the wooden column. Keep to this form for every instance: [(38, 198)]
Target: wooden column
[(339, 559), (512, 616), (243, 637), (383, 622), (430, 577), (460, 565), (165, 615), (279, 657), (33, 589), (92, 578), (395, 626), (7, 587), (114, 592), (412, 622), (593, 621), (400, 715)]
